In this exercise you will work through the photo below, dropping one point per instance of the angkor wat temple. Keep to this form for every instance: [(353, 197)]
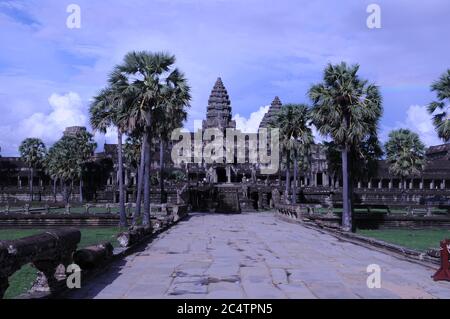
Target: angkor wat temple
[(234, 187)]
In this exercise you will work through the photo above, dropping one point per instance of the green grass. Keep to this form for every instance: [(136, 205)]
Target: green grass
[(420, 239), (75, 208), (23, 279)]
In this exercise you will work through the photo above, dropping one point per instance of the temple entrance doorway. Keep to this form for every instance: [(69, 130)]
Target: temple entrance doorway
[(221, 175), (255, 199)]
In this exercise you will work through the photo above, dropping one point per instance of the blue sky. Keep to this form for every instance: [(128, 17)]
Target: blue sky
[(48, 72)]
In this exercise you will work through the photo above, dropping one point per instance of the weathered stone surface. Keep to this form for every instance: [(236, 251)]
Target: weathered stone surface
[(257, 256), (134, 235), (46, 251), (93, 256)]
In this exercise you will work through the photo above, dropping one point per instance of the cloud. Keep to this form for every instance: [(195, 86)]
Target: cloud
[(417, 120), (66, 110), (278, 48), (318, 138), (251, 124)]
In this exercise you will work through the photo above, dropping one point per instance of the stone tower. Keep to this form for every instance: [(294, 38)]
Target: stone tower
[(270, 115), (218, 113)]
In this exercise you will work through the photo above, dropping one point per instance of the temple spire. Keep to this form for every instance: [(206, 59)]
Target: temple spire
[(274, 108), (218, 112)]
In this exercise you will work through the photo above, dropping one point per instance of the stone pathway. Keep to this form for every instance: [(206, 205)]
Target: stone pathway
[(257, 256)]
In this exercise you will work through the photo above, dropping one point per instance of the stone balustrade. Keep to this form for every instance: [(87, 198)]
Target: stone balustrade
[(46, 252), (363, 220), (162, 216)]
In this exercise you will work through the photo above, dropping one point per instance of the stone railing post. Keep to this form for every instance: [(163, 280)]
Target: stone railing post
[(49, 252), (87, 208), (26, 208), (47, 208), (429, 210), (67, 210), (108, 208)]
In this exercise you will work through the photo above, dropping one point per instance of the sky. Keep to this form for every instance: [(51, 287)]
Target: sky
[(260, 49)]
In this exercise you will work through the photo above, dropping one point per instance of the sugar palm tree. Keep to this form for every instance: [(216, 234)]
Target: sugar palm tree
[(404, 154), (61, 164), (66, 158), (347, 109), (109, 109), (364, 156), (171, 117), (32, 152), (154, 81), (296, 138), (85, 147), (440, 108)]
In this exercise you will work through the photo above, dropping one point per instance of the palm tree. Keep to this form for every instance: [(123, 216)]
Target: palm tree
[(132, 154), (32, 152), (364, 156), (347, 109), (405, 154), (296, 139), (109, 108), (66, 158), (85, 149), (170, 118), (440, 108), (154, 82), (47, 163)]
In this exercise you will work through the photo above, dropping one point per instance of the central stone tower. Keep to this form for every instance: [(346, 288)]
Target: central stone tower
[(218, 113)]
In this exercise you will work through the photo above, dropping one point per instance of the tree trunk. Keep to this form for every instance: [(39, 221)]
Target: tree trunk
[(122, 212), (66, 193), (403, 181), (31, 183), (288, 175), (279, 171), (81, 189), (147, 175), (55, 181), (294, 188), (140, 181), (346, 206), (161, 171)]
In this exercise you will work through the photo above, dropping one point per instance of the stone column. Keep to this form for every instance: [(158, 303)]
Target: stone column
[(380, 183), (432, 184), (390, 183), (421, 183), (369, 184), (325, 179), (443, 184), (411, 184), (359, 184)]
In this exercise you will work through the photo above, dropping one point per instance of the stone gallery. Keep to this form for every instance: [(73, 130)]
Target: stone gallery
[(286, 151), (235, 187)]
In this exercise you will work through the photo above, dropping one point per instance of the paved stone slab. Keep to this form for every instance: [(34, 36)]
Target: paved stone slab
[(257, 256)]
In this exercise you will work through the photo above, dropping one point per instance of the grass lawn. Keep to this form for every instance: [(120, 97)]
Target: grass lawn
[(420, 239), (23, 279)]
